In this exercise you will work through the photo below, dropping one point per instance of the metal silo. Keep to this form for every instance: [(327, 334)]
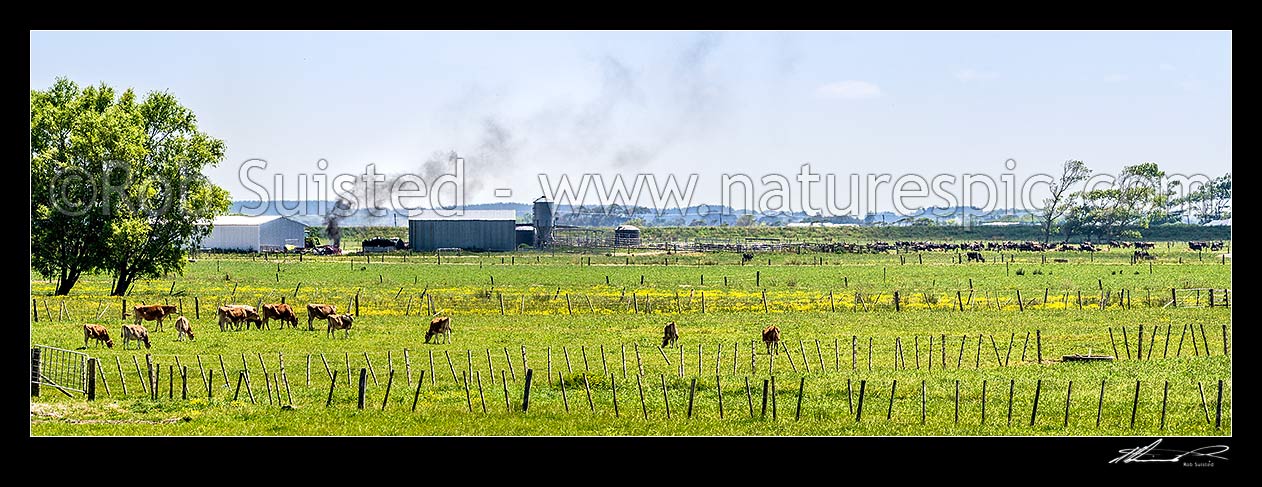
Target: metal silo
[(543, 218)]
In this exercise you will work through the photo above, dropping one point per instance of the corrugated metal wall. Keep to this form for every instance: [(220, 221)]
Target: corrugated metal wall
[(426, 235), (232, 237), (276, 233)]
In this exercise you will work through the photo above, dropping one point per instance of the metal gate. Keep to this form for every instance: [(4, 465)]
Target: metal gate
[(65, 370)]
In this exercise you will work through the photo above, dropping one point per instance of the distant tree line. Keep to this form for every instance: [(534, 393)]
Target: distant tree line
[(1136, 201)]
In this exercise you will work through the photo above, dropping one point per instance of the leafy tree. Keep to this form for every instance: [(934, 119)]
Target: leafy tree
[(78, 138), (1135, 200), (1061, 200), (168, 194), (1209, 202)]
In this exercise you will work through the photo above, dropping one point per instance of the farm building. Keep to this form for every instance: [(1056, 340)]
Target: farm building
[(626, 235), (471, 230), (254, 233)]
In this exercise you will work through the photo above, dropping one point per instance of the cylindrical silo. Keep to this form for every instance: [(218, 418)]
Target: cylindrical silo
[(543, 218)]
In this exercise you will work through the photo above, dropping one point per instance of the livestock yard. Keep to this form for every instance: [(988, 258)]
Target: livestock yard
[(892, 342)]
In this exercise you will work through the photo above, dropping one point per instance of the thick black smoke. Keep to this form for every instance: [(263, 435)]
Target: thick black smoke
[(332, 228)]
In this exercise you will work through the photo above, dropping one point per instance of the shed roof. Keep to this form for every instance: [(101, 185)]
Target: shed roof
[(466, 215), (246, 220)]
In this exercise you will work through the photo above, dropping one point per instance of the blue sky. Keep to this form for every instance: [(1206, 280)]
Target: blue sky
[(677, 102)]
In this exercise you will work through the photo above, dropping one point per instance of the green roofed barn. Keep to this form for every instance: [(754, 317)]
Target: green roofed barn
[(469, 230)]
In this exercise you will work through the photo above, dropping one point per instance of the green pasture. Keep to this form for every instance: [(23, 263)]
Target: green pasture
[(833, 338)]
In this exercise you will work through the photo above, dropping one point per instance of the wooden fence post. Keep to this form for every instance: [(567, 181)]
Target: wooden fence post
[(389, 382), (91, 386), (665, 398), (363, 385), (420, 381), (859, 410), (1099, 408), (639, 382), (765, 385)]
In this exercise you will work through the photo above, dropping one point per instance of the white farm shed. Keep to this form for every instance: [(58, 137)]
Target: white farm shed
[(254, 233)]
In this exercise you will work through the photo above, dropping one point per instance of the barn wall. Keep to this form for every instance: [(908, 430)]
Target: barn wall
[(428, 235), (232, 237), (274, 234)]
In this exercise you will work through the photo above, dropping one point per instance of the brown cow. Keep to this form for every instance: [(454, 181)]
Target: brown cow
[(98, 333), (183, 328), (154, 312), (340, 322), (440, 325), (319, 312), (282, 312), (670, 334), (235, 314), (771, 337), (135, 332)]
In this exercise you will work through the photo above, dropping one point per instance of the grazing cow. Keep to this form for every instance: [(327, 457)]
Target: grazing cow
[(974, 255), (1142, 255), (184, 329), (235, 314), (771, 337), (340, 322), (98, 333), (319, 312), (440, 326), (153, 312), (282, 312), (670, 334), (746, 257), (137, 333)]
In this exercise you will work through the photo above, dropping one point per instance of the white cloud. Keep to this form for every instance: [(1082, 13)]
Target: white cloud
[(966, 75), (849, 89), (1116, 78), (1166, 67)]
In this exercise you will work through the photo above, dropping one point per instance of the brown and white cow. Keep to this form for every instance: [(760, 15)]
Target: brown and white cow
[(98, 333), (340, 322), (183, 328), (771, 337), (236, 314), (137, 333), (319, 312), (154, 312), (282, 312), (441, 326), (670, 334)]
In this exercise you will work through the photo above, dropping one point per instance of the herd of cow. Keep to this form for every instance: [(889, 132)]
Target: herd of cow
[(235, 316), (1027, 246)]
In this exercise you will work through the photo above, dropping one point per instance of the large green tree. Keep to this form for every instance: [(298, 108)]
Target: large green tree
[(117, 184), (78, 137), (167, 195)]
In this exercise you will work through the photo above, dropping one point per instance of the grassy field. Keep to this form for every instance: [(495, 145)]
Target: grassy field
[(859, 321)]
